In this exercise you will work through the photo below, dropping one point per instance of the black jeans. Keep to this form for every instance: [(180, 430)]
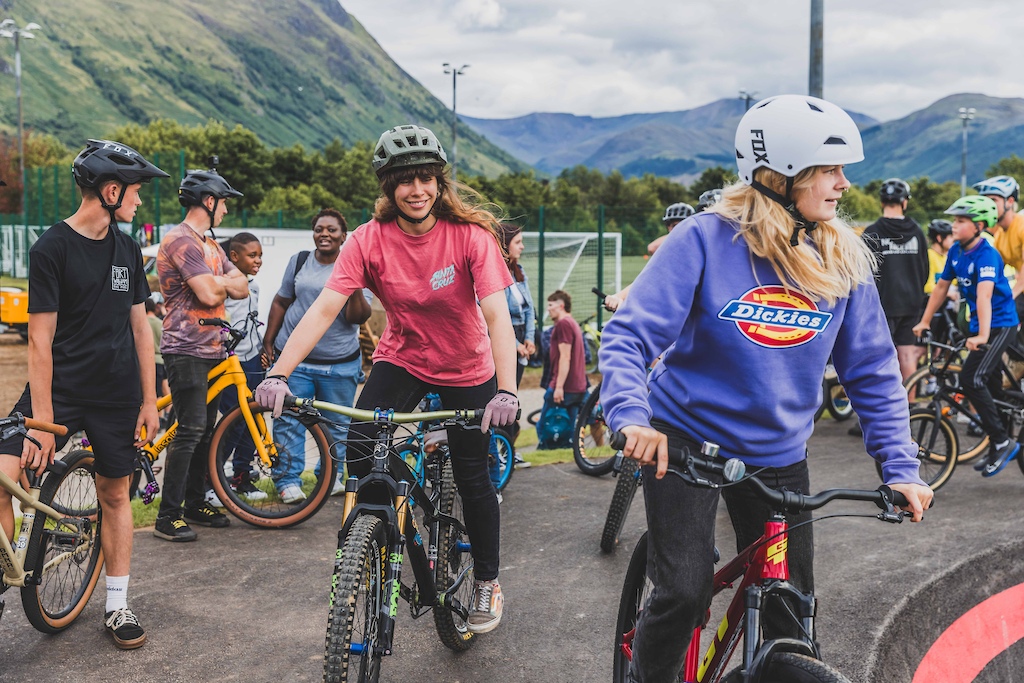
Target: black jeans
[(390, 386), (982, 378), (186, 467), (680, 559)]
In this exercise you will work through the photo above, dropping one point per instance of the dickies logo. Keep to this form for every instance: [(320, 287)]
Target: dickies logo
[(118, 278), (776, 317)]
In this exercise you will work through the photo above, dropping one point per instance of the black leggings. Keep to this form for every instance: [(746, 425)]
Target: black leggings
[(982, 378), (390, 386)]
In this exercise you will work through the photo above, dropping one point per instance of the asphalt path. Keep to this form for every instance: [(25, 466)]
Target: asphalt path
[(244, 604)]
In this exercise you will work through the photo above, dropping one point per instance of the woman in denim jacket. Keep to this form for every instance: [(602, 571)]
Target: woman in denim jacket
[(520, 303)]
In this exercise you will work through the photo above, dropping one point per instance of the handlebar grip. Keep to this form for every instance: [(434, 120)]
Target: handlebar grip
[(598, 292), (289, 401), (214, 321), (53, 428)]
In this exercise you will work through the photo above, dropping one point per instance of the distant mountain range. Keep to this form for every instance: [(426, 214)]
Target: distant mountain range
[(682, 144), (302, 71)]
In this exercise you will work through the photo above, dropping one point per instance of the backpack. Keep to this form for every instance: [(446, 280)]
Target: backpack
[(300, 260), (554, 429)]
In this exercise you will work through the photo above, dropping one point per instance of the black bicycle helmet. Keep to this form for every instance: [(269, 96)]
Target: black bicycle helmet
[(198, 184), (405, 146), (894, 191), (105, 160), (677, 212), (939, 228), (708, 199)]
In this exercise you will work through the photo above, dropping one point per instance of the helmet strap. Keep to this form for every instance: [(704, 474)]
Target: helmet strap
[(790, 206), (417, 221), (112, 208), (213, 214)]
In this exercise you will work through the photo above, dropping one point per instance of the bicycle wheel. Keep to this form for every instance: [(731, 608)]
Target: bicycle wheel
[(790, 667), (74, 552), (590, 353), (590, 448), (625, 489), (937, 447), (636, 588), (533, 417), (500, 458), (357, 593), (454, 564), (269, 511), (837, 403)]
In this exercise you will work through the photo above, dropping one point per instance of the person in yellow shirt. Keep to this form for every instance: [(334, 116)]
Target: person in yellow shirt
[(1009, 229)]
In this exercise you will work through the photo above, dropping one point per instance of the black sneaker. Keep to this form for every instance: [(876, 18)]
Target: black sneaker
[(207, 515), (124, 626), (173, 530), (855, 430), (243, 487), (987, 459)]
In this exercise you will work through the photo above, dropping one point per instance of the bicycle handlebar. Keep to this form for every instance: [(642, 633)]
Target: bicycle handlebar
[(598, 292), (467, 416), (683, 461), (19, 419)]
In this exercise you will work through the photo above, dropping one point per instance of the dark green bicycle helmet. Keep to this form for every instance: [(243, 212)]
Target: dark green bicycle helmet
[(405, 146), (978, 208)]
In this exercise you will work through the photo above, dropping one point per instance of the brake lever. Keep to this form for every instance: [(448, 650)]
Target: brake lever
[(890, 514)]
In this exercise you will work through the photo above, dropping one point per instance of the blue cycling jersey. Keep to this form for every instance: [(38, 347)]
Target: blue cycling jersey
[(981, 263)]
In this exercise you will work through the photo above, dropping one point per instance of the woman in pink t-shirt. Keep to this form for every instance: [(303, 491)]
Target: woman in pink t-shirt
[(437, 267)]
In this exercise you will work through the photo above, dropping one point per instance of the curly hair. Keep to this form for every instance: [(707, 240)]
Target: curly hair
[(332, 213)]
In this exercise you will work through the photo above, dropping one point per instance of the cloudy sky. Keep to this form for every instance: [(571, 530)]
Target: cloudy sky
[(883, 58)]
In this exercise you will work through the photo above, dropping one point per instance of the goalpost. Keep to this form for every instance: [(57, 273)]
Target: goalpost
[(574, 262)]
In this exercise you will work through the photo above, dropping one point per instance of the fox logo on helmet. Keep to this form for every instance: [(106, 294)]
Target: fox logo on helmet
[(757, 145), (775, 317)]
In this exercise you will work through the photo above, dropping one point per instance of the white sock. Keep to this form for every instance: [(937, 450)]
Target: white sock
[(117, 592), (1001, 446)]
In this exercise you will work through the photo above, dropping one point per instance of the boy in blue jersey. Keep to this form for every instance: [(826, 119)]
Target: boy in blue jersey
[(978, 268)]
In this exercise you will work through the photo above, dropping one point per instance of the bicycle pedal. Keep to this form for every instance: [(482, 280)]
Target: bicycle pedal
[(149, 493)]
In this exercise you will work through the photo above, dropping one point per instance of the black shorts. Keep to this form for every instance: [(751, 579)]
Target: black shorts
[(111, 432), (901, 328)]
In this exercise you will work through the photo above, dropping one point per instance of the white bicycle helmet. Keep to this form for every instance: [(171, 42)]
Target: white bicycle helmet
[(1001, 186), (788, 133)]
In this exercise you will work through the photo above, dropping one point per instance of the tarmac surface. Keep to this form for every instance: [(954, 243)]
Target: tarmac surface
[(244, 604)]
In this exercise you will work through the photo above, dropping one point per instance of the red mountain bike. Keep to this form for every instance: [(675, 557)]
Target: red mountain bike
[(759, 571)]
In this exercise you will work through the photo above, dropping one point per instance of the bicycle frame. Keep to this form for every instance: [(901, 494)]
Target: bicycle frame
[(762, 569), (12, 558)]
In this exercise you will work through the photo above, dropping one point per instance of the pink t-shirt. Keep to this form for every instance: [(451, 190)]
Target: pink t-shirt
[(429, 285)]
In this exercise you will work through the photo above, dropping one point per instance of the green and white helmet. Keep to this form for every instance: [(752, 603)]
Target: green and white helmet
[(405, 146), (978, 208)]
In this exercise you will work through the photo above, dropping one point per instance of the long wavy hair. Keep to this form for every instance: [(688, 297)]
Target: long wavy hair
[(508, 233), (451, 203), (835, 261)]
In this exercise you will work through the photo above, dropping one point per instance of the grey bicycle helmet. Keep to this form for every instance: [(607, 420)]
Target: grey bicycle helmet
[(105, 160), (1001, 186), (939, 228), (708, 199), (405, 146), (677, 212), (894, 191), (198, 184)]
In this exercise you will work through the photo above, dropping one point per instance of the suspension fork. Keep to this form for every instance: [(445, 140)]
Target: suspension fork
[(393, 573)]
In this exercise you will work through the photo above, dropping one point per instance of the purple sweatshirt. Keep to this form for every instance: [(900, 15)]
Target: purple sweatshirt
[(747, 356)]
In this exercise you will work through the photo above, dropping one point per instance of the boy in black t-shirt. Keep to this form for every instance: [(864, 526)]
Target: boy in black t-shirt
[(90, 355)]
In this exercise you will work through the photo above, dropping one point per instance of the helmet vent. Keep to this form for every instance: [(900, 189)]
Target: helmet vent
[(816, 108), (834, 140), (739, 155)]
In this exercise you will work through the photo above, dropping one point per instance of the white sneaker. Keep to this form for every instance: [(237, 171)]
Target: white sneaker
[(292, 494), (339, 487), (213, 499), (519, 463), (486, 607)]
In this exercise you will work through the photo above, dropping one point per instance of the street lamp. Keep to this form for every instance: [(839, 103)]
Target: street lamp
[(747, 98), (449, 69), (966, 114), (9, 29)]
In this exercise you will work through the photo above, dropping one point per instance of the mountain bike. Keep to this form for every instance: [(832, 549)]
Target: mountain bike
[(591, 449), (759, 571), (57, 558), (629, 480), (255, 455), (374, 539)]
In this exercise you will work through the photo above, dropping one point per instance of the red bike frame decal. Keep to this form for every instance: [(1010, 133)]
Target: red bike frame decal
[(774, 564)]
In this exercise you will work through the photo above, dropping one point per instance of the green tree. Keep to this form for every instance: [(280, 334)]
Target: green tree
[(1012, 166), (859, 206), (712, 178)]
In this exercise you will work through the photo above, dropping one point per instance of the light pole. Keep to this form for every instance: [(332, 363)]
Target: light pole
[(966, 114), (9, 29), (816, 77), (449, 69), (747, 98)]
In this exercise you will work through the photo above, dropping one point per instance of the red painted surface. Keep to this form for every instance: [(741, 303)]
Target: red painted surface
[(975, 639)]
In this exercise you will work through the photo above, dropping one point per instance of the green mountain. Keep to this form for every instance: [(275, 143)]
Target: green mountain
[(301, 71)]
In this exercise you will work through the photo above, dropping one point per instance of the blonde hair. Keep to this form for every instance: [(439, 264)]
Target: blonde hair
[(450, 204), (830, 267)]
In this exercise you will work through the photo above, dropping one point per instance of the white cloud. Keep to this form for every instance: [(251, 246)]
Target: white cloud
[(609, 57)]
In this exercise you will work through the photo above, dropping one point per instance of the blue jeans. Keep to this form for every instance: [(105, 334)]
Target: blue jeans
[(332, 383), (238, 440)]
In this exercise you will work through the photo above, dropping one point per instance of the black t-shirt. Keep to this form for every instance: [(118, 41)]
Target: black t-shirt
[(92, 285), (902, 249)]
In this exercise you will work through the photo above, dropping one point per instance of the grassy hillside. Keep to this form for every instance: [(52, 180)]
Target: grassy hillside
[(299, 71)]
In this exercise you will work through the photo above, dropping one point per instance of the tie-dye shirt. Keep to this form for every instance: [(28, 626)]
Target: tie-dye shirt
[(184, 254)]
